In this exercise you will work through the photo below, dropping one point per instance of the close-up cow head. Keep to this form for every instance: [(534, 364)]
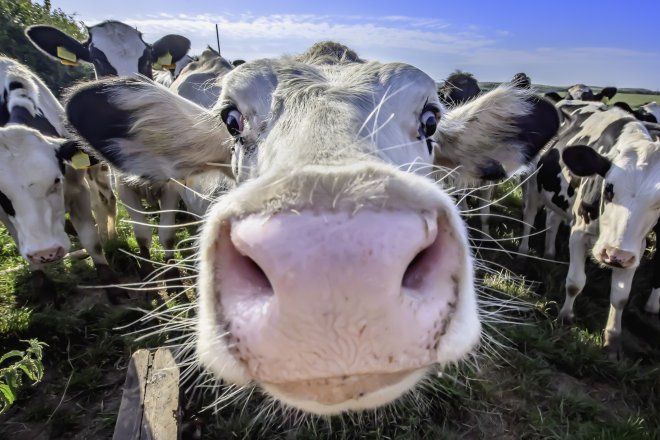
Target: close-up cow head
[(31, 191), (630, 196), (337, 274), (114, 48)]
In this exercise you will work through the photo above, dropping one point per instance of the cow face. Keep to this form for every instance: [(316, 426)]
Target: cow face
[(114, 48), (630, 198), (458, 88), (31, 192), (581, 92), (337, 274)]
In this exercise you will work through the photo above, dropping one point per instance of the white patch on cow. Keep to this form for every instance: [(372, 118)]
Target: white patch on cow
[(31, 178), (121, 44)]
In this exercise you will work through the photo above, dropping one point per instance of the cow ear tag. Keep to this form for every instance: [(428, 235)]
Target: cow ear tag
[(164, 61), (80, 161), (66, 57)]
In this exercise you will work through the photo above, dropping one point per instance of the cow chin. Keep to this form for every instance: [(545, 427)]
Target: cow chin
[(330, 311)]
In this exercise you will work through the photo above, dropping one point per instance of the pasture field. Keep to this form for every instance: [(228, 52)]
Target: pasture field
[(533, 378), (634, 99)]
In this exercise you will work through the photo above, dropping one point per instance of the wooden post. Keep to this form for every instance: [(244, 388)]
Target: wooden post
[(149, 408)]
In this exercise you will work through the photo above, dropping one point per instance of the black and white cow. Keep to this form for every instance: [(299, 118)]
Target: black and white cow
[(337, 274), (36, 187), (581, 92), (458, 88), (116, 49), (648, 113), (167, 75), (602, 174)]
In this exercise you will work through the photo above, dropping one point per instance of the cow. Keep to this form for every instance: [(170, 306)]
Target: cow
[(581, 92), (602, 174), (648, 113), (116, 49), (168, 74), (36, 186), (337, 274), (458, 88)]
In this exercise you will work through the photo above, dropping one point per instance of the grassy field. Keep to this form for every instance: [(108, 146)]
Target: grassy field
[(635, 100), (533, 379)]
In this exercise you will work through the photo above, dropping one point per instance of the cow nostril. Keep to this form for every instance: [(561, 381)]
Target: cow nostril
[(418, 269)]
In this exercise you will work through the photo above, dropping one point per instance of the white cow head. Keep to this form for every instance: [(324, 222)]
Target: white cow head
[(630, 193), (31, 191), (114, 48), (337, 274)]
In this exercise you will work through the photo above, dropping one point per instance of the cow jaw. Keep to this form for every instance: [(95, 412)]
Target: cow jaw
[(331, 310)]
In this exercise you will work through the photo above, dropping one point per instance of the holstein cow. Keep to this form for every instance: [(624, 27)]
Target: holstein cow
[(581, 92), (603, 173), (648, 113), (115, 48), (36, 187), (167, 75), (336, 275)]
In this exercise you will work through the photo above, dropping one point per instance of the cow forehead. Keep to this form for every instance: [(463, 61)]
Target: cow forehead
[(292, 84), (121, 44), (26, 156)]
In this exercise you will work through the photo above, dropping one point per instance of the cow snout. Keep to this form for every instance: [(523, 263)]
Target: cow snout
[(617, 257), (47, 255), (352, 299)]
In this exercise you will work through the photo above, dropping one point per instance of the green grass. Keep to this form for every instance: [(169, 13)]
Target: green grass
[(635, 100), (536, 379)]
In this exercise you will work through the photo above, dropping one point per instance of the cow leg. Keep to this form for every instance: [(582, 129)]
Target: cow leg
[(43, 286), (552, 223), (484, 200), (576, 278), (133, 202), (104, 202), (531, 206), (79, 206), (169, 202), (619, 293)]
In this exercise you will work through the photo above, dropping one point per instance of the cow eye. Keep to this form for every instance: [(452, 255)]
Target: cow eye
[(233, 119), (608, 193), (429, 121)]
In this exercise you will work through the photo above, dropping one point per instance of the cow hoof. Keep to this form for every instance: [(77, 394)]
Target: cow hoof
[(613, 347), (43, 288), (566, 319), (146, 270)]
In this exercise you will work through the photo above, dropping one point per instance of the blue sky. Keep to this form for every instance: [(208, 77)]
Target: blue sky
[(598, 43)]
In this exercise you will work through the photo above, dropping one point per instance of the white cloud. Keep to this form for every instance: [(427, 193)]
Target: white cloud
[(430, 44)]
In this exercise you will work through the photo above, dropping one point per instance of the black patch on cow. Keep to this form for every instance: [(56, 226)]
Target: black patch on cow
[(553, 96), (21, 115), (458, 88), (4, 113), (538, 127), (145, 64), (101, 64), (608, 192), (609, 137), (655, 263), (493, 171), (585, 161), (98, 121), (549, 177), (15, 85), (589, 208), (6, 205), (177, 46)]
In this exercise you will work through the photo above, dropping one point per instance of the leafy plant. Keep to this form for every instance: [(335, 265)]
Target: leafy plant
[(29, 364)]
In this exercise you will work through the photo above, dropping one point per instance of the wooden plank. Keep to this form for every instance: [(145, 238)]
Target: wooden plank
[(161, 399), (149, 408), (129, 418)]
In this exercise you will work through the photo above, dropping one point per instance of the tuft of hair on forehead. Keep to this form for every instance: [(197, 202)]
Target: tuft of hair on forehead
[(116, 26), (329, 52)]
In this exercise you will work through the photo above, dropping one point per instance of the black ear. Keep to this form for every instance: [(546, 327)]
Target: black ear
[(607, 92), (553, 96), (538, 127), (623, 106), (56, 44), (176, 45), (71, 152), (91, 113), (237, 63), (585, 161)]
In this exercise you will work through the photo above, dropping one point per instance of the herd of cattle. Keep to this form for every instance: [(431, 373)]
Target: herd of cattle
[(333, 272)]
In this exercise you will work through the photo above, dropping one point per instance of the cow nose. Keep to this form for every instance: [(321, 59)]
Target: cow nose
[(315, 295), (616, 257), (47, 255)]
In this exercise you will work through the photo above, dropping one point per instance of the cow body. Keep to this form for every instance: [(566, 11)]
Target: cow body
[(610, 210), (116, 49), (336, 274), (36, 187)]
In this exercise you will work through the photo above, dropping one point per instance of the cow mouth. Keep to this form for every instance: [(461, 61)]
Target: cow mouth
[(332, 395)]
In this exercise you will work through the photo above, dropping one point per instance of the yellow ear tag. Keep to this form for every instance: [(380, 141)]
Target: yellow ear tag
[(169, 66), (66, 56), (80, 161), (163, 61)]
